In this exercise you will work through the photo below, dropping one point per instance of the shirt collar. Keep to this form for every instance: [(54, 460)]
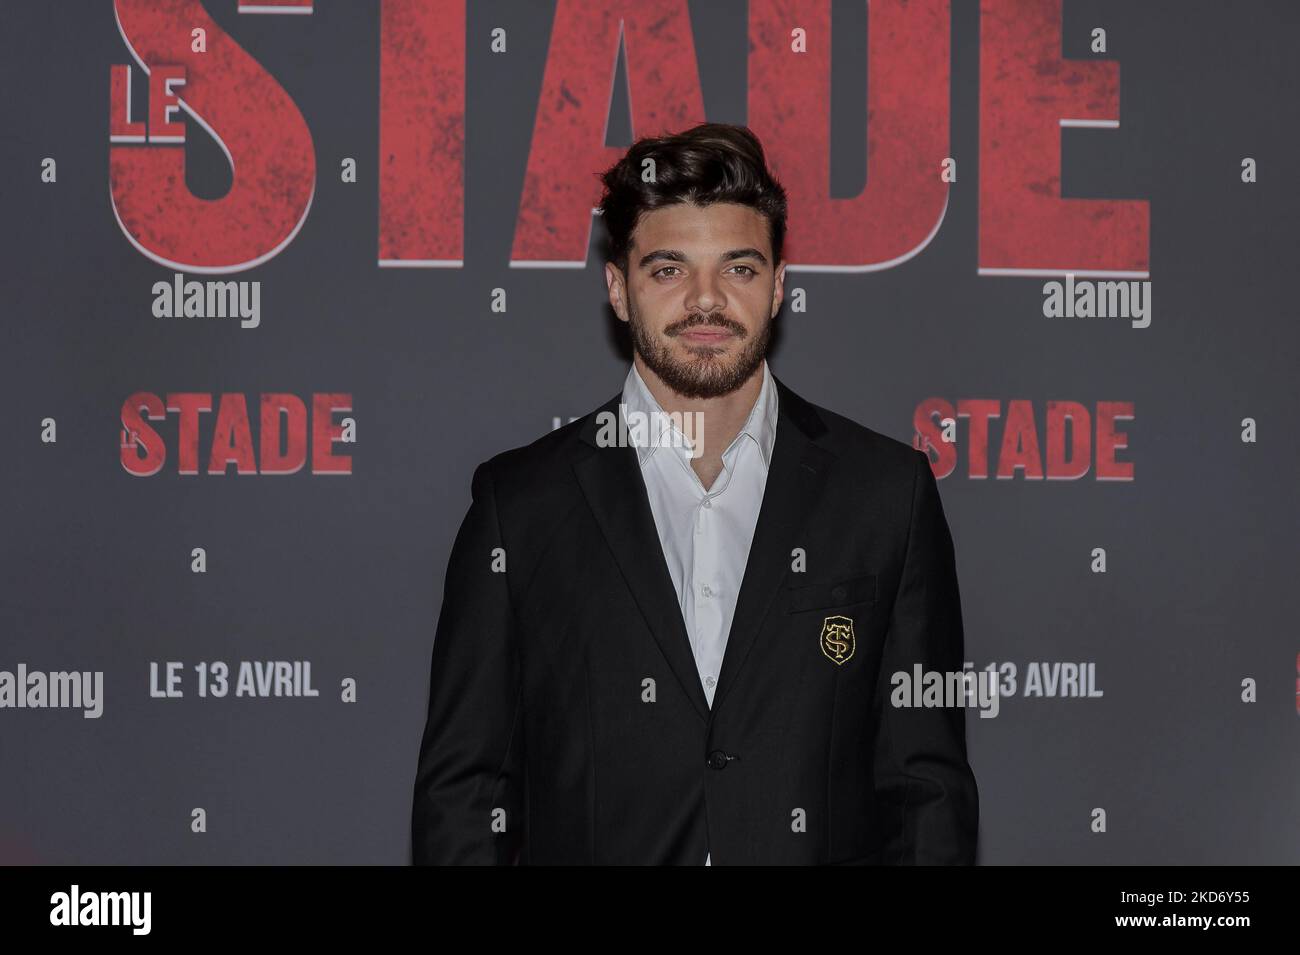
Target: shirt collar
[(760, 426)]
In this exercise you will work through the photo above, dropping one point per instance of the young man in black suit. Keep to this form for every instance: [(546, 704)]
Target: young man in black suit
[(669, 628)]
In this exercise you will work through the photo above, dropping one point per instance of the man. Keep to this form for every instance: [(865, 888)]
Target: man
[(673, 643)]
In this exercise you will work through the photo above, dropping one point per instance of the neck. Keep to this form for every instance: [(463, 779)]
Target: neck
[(720, 418)]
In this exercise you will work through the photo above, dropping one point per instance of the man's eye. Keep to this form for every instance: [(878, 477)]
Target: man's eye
[(751, 271), (665, 269)]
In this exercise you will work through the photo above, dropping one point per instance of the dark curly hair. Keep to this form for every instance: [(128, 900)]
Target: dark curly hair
[(708, 163)]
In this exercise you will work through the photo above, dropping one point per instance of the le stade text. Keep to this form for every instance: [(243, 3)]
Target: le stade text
[(1028, 92)]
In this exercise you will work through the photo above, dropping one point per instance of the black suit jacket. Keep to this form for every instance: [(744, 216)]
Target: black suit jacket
[(566, 721)]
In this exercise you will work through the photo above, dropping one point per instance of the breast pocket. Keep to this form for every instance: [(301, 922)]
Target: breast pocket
[(858, 589)]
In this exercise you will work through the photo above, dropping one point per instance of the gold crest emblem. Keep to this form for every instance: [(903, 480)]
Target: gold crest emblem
[(837, 639)]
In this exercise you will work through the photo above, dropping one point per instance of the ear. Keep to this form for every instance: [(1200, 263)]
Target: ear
[(778, 289), (617, 286)]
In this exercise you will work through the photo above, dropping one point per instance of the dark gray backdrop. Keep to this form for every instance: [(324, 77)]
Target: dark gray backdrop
[(347, 571)]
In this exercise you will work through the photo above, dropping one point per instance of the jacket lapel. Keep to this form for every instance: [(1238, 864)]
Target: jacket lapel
[(610, 478), (796, 478)]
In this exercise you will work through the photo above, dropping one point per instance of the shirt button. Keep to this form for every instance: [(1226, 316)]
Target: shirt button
[(709, 681), (706, 503), (706, 591)]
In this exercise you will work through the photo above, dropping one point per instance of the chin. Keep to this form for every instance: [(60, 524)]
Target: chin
[(705, 351)]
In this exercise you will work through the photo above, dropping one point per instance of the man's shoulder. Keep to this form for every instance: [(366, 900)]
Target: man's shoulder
[(543, 461), (869, 451)]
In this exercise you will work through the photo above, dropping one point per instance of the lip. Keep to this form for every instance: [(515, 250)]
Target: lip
[(706, 336)]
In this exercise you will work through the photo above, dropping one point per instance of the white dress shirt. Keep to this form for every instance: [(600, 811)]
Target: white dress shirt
[(705, 534)]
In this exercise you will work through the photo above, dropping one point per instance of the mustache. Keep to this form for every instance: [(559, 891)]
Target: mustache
[(695, 320)]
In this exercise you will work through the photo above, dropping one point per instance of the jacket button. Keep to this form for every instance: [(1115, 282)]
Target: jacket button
[(717, 759)]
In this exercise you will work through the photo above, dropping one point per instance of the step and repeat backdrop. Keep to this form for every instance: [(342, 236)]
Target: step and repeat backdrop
[(278, 275)]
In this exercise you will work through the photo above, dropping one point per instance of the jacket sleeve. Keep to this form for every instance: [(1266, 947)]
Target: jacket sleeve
[(469, 787), (924, 785)]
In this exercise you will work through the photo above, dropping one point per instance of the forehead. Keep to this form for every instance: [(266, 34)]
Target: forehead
[(684, 225)]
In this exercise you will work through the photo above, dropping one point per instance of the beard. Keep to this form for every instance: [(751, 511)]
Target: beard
[(708, 373)]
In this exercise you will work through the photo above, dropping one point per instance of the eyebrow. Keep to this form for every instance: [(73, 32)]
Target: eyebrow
[(674, 255)]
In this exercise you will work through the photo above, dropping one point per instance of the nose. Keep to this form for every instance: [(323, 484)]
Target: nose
[(706, 294)]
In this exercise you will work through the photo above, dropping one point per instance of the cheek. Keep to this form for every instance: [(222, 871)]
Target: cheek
[(753, 308), (657, 306)]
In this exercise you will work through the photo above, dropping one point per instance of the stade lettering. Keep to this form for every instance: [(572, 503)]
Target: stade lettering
[(1027, 91), (282, 448), (1070, 446)]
